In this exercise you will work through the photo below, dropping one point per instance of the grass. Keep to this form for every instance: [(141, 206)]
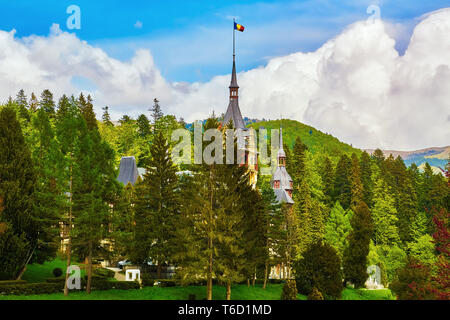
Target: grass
[(238, 292), (39, 272), (364, 294)]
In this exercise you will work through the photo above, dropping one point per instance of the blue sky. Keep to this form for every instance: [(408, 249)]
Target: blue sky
[(191, 40)]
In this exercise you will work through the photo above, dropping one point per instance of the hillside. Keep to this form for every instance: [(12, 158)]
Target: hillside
[(316, 140), (437, 157)]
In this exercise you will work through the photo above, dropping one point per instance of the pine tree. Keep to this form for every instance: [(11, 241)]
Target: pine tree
[(125, 120), (342, 183), (94, 186), (21, 100), (34, 103), (338, 228), (327, 173), (378, 156), (20, 236), (275, 231), (156, 111), (355, 182), (384, 215), (366, 178), (49, 198), (355, 255), (106, 118), (309, 225), (87, 111), (63, 106), (157, 205), (297, 168), (47, 103), (143, 126), (68, 125)]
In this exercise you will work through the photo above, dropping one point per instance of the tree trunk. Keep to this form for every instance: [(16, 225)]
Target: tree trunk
[(209, 283), (248, 282), (25, 265), (254, 278), (69, 245), (66, 288), (89, 280), (228, 290), (209, 276), (266, 273), (158, 271)]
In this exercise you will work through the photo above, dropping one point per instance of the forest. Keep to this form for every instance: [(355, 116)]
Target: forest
[(59, 167)]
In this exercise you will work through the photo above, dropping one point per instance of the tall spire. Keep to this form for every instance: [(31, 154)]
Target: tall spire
[(233, 111), (281, 155)]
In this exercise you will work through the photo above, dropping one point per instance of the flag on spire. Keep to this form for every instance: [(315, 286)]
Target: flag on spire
[(238, 27)]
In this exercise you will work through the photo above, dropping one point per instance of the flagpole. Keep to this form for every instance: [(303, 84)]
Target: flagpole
[(234, 41)]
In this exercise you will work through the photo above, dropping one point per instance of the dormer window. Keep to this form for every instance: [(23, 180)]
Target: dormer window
[(276, 184), (282, 161)]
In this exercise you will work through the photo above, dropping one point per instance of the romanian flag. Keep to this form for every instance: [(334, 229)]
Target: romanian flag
[(238, 27)]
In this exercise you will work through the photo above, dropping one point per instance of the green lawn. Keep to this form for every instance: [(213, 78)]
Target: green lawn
[(39, 272), (239, 292)]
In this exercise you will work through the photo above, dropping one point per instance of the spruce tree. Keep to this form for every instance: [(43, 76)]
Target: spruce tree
[(46, 103), (106, 118), (94, 187), (143, 126), (297, 169), (34, 103), (342, 183), (366, 178), (20, 237), (68, 126), (275, 231), (384, 214), (158, 204), (355, 255), (338, 228), (21, 100), (49, 197), (327, 173), (356, 184), (156, 111)]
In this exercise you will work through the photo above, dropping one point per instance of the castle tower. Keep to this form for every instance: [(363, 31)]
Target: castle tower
[(234, 115), (282, 183)]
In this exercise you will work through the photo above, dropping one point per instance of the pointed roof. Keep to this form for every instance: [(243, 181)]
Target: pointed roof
[(233, 83), (281, 152), (233, 111), (128, 171), (234, 114)]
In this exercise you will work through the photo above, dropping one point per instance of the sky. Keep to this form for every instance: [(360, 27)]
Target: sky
[(330, 64)]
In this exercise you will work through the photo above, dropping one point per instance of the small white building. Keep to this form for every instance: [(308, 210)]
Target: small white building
[(133, 275)]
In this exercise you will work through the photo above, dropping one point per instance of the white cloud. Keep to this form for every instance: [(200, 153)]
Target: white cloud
[(356, 86)]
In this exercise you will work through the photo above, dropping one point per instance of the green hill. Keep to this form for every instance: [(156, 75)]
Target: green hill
[(316, 140)]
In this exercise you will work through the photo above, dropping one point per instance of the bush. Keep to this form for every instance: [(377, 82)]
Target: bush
[(289, 290), (103, 273), (147, 281), (167, 282), (413, 282), (9, 282), (31, 288), (55, 280), (320, 268), (57, 272), (315, 295)]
